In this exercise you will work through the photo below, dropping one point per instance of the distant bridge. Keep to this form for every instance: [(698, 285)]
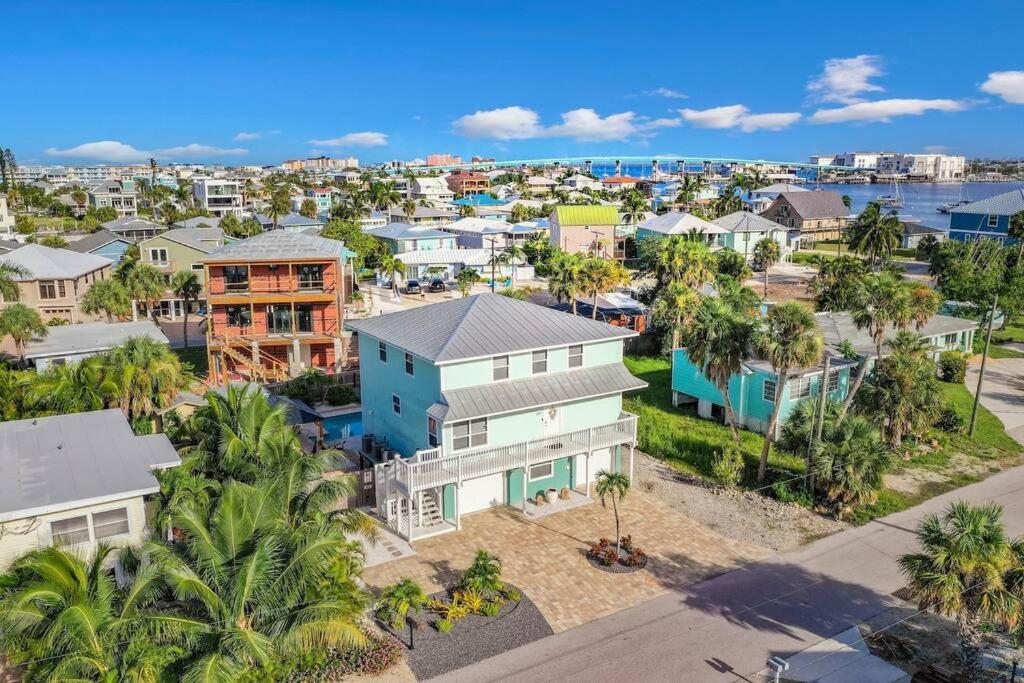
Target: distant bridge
[(659, 162)]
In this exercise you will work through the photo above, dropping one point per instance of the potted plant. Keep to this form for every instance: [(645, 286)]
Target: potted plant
[(551, 495)]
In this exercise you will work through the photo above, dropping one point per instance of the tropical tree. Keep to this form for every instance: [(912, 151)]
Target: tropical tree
[(10, 275), (308, 208), (279, 204), (614, 486), (467, 211), (409, 209), (483, 574), (147, 374), (515, 254), (849, 462), (875, 233), (466, 278), (393, 267), (964, 570), (732, 263), (109, 297), (186, 286), (634, 206), (677, 304), (496, 260), (147, 284), (677, 258), (565, 277), (691, 187), (798, 433), (21, 324), (521, 213), (836, 285), (721, 339), (399, 599), (598, 275), (789, 339), (766, 255), (73, 388), (738, 296)]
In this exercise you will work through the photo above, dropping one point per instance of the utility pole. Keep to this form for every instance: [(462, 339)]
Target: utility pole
[(981, 371)]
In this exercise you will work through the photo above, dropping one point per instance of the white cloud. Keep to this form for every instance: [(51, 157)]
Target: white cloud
[(1006, 84), (653, 124), (507, 123), (119, 152), (667, 92), (884, 110), (775, 121), (364, 139), (716, 117), (586, 125), (845, 79), (243, 136)]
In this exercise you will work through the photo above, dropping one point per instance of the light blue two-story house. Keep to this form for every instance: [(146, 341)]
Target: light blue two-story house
[(986, 218), (403, 237), (489, 401)]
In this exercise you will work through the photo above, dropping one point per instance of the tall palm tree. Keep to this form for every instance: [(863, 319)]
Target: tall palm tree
[(466, 278), (515, 254), (147, 284), (21, 324), (601, 275), (10, 275), (720, 341), (850, 461), (147, 374), (392, 266), (308, 208), (789, 339), (875, 233), (409, 209), (279, 204), (677, 304), (634, 206), (963, 570), (687, 261), (185, 285), (766, 255), (73, 388), (109, 297), (614, 486), (565, 279)]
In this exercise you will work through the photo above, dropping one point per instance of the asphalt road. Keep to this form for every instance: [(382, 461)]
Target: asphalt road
[(724, 629)]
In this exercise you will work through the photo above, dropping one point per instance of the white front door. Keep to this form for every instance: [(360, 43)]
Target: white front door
[(482, 493), (551, 420)]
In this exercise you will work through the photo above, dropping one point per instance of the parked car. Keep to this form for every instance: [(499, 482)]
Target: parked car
[(437, 285), (413, 287)]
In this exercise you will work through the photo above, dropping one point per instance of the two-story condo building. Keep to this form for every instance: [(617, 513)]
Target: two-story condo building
[(219, 196), (117, 194), (276, 306), (986, 218), (56, 280), (489, 401), (177, 250)]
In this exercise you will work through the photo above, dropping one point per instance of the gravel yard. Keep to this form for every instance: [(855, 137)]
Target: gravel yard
[(741, 516)]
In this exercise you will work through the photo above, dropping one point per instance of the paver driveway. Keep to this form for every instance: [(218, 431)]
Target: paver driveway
[(546, 557)]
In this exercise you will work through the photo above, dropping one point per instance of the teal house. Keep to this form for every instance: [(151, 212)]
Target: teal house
[(489, 401), (744, 229)]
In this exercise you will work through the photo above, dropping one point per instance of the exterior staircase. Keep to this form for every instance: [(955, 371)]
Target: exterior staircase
[(277, 372), (430, 514)]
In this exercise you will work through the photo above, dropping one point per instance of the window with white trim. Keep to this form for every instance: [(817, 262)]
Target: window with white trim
[(950, 339), (396, 404), (432, 432), (469, 433), (542, 470), (540, 362), (800, 388), (768, 390), (157, 255), (110, 523), (70, 531), (499, 368), (576, 356), (409, 368), (382, 352), (993, 220), (833, 380)]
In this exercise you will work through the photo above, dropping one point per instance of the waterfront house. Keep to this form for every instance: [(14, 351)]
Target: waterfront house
[(218, 196), (65, 344), (102, 243), (276, 306), (539, 185), (403, 237), (580, 182), (745, 229), (811, 216), (760, 199), (914, 232), (594, 229), (134, 228), (177, 250), (619, 183), (431, 189), (489, 401), (76, 480), (119, 195), (57, 280), (986, 218)]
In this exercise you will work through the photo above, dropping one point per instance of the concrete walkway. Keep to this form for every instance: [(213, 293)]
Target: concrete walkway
[(726, 628), (1003, 391)]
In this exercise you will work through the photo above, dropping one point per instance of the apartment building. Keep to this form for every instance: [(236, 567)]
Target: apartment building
[(276, 306), (431, 189), (117, 194), (219, 196), (939, 168), (444, 159), (57, 280), (464, 183), (320, 163)]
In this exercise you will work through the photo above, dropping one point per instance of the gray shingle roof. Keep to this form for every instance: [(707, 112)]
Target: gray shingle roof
[(100, 238), (200, 239), (836, 327), (91, 338), (482, 325), (745, 221), (535, 392), (1005, 204), (816, 204), (44, 263), (64, 461), (128, 223), (280, 244)]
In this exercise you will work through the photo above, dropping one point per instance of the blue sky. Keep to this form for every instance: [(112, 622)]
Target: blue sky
[(259, 82)]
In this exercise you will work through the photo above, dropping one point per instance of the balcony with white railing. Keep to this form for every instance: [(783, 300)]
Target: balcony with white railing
[(433, 467)]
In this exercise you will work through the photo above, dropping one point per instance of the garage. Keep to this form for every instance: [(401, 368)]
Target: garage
[(482, 493)]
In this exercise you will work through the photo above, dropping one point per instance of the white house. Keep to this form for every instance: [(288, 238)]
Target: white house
[(219, 196), (72, 343)]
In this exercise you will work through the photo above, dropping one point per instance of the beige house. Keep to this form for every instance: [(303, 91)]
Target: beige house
[(592, 230), (815, 215), (57, 280), (76, 480), (177, 250)]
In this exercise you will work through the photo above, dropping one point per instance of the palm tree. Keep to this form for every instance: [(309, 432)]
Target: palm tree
[(789, 339), (483, 574), (21, 324), (496, 260), (766, 255), (613, 485), (963, 571), (308, 208), (108, 297), (678, 304), (850, 461), (392, 266), (875, 233), (1016, 231), (565, 279), (515, 254), (279, 204), (10, 275), (467, 211), (687, 261), (409, 209), (399, 599), (466, 278), (634, 206), (73, 388), (185, 285), (721, 339), (147, 374), (600, 275), (147, 284)]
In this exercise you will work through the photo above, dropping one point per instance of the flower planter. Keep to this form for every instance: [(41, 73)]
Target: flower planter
[(551, 495)]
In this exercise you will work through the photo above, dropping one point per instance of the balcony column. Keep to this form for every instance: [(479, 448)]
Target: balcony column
[(632, 454), (457, 493), (587, 470), (296, 356), (338, 354), (255, 350), (526, 473)]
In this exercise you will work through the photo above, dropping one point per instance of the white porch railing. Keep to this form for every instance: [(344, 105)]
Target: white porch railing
[(431, 468)]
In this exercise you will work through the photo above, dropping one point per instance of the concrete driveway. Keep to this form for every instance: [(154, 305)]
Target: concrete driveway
[(1003, 391)]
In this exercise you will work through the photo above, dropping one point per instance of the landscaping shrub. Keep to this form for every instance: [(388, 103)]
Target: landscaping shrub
[(952, 366), (627, 543), (490, 609), (444, 625), (728, 465), (512, 594), (951, 421), (340, 395), (380, 653), (786, 492), (603, 552), (309, 387), (636, 558)]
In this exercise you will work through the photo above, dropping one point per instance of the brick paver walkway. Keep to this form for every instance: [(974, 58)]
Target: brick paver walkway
[(546, 557)]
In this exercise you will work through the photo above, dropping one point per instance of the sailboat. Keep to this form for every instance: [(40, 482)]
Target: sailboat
[(895, 197), (961, 200)]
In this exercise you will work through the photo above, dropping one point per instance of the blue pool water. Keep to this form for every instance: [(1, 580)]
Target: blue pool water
[(335, 425)]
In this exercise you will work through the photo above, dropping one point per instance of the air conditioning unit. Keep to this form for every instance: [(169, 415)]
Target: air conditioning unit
[(387, 454), (378, 447), (367, 443)]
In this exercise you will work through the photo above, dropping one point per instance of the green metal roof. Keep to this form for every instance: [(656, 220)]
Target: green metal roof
[(587, 215)]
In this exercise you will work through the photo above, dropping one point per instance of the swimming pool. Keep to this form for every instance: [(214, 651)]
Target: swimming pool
[(335, 425)]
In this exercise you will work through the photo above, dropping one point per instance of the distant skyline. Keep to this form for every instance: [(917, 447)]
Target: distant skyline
[(260, 82)]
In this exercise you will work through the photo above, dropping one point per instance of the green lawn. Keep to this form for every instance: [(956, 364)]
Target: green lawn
[(195, 356), (1012, 332), (988, 433), (680, 438)]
